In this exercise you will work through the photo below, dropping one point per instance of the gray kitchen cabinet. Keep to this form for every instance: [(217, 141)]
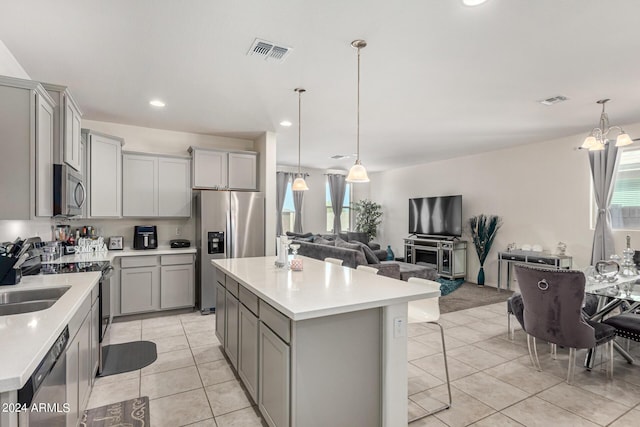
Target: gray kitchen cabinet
[(273, 378), (209, 168), (139, 289), (26, 129), (243, 171), (220, 312), (79, 375), (104, 175), (67, 127), (231, 328), (95, 338), (139, 185), (156, 186), (174, 187), (248, 350), (177, 286)]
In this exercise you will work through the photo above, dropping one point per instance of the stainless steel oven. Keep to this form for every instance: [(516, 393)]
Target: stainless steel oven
[(43, 399), (69, 193)]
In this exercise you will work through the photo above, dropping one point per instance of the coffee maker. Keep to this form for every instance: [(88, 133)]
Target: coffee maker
[(145, 237)]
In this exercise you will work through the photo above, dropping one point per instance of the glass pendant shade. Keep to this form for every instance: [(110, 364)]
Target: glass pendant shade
[(357, 173), (299, 184), (598, 146), (623, 139), (589, 142)]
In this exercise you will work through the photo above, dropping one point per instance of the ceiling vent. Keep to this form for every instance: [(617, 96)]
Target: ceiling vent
[(339, 157), (554, 100), (269, 51)]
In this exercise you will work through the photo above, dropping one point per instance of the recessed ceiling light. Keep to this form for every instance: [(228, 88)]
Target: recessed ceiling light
[(285, 123), (473, 2), (157, 103)]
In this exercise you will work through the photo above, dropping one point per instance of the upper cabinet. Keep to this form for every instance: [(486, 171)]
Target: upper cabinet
[(223, 170), (104, 174), (156, 185), (67, 127), (26, 132)]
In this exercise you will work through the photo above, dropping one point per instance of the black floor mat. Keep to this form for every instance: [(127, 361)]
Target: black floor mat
[(132, 413), (126, 357)]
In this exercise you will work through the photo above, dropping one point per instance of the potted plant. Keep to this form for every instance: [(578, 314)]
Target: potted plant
[(368, 217), (483, 232)]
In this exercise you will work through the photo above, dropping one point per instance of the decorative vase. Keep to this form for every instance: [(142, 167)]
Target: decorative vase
[(481, 276), (390, 255)]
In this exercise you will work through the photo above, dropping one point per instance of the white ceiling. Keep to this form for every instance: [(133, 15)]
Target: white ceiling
[(439, 79)]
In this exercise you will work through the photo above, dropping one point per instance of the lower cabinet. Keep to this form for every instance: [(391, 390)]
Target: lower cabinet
[(79, 358), (139, 289), (151, 283), (273, 380), (231, 336), (176, 286), (248, 350), (220, 312)]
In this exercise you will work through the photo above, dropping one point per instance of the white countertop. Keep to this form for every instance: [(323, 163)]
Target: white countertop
[(321, 289), (27, 337), (111, 255)]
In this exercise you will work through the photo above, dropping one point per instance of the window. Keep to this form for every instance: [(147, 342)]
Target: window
[(625, 202), (288, 211), (345, 216)]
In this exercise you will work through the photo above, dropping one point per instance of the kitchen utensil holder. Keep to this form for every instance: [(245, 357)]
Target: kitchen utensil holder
[(12, 277), (7, 272)]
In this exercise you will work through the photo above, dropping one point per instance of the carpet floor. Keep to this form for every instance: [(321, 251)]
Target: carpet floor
[(470, 295)]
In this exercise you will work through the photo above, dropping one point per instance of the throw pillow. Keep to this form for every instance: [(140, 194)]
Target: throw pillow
[(371, 257), (342, 244), (358, 237)]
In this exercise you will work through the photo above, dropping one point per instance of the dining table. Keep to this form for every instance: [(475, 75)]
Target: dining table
[(619, 292)]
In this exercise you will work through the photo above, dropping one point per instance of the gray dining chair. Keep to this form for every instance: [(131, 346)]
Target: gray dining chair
[(553, 302)]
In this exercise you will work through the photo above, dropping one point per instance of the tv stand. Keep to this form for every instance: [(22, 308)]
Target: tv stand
[(447, 255)]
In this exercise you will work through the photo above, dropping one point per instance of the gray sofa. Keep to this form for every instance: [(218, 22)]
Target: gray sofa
[(350, 257)]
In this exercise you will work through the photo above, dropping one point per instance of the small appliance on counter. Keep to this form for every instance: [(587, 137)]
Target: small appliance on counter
[(116, 243), (145, 237), (180, 243), (13, 256)]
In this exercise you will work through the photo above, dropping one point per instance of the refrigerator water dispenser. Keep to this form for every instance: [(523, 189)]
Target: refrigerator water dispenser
[(215, 242)]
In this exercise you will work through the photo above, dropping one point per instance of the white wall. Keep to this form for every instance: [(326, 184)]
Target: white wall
[(9, 66), (265, 145), (542, 191)]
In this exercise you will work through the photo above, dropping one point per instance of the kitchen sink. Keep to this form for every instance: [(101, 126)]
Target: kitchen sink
[(27, 301), (25, 307), (12, 297)]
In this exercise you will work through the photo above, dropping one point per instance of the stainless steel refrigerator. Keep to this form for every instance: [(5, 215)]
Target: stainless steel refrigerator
[(229, 224)]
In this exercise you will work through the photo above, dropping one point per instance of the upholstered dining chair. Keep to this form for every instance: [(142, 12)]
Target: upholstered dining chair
[(553, 302), (627, 325), (428, 310), (367, 269), (335, 261)]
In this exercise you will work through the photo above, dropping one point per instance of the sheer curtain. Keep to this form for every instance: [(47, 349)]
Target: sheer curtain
[(337, 186), (282, 178), (604, 166)]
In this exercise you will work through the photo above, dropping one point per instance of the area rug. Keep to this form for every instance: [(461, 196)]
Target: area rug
[(126, 357), (130, 413), (447, 286), (470, 295)]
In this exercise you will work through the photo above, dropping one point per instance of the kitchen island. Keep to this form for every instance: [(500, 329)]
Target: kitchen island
[(318, 347)]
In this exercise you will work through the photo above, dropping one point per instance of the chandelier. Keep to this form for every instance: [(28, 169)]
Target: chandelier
[(597, 139)]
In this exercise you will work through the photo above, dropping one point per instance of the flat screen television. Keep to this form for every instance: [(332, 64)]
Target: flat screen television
[(436, 216)]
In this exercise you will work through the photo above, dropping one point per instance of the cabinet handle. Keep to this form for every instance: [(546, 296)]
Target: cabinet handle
[(541, 261)]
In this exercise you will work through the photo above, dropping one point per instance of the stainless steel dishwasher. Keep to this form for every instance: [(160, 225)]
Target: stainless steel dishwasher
[(43, 399)]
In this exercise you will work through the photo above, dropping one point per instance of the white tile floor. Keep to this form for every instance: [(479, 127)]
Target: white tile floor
[(493, 383)]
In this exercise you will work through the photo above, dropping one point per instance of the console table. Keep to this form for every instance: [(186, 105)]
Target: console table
[(448, 257), (539, 259)]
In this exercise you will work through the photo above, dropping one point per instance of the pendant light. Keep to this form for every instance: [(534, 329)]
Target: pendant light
[(597, 139), (358, 173), (299, 183)]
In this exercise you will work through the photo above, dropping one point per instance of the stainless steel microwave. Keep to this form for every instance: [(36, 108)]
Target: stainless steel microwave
[(69, 193)]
